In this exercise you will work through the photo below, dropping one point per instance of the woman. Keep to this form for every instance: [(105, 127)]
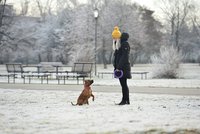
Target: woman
[(121, 62)]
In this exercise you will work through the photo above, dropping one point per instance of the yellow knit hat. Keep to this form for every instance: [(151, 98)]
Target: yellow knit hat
[(116, 34)]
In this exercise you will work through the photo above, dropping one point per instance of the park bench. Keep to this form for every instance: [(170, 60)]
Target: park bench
[(50, 67), (15, 69), (8, 75), (80, 70), (143, 74), (102, 74), (35, 75)]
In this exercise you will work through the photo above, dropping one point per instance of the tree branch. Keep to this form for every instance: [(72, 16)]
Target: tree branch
[(2, 33)]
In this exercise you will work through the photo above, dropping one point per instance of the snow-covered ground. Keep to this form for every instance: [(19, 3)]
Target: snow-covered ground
[(51, 112), (25, 111), (189, 77)]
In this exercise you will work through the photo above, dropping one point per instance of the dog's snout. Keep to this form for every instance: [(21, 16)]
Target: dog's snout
[(92, 81)]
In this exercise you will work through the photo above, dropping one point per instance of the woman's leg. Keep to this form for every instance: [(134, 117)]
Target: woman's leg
[(125, 90)]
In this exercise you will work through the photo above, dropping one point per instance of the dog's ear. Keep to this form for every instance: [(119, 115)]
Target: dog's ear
[(90, 82), (86, 82)]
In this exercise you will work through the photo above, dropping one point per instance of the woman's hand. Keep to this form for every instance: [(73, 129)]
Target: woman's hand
[(117, 70)]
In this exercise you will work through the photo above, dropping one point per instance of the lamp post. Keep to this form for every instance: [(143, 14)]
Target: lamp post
[(96, 15)]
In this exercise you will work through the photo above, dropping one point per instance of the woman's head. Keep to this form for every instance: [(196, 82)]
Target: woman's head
[(124, 37)]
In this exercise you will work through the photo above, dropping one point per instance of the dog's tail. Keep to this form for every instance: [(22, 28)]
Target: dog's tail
[(73, 104)]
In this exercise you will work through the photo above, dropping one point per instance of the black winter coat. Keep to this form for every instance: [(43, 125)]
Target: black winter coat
[(121, 58)]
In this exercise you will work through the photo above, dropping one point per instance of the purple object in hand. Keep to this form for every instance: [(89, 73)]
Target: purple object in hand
[(118, 73)]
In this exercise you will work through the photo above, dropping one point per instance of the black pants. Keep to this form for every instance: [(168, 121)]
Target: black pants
[(125, 90)]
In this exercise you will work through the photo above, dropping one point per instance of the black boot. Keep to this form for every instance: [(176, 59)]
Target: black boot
[(122, 103), (128, 102)]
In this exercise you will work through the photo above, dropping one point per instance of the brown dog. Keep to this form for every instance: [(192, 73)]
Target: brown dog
[(86, 93)]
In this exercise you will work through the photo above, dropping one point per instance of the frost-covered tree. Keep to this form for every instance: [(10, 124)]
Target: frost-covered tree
[(6, 18), (82, 34), (165, 64), (21, 47), (181, 23), (153, 36), (60, 35), (77, 26), (130, 18)]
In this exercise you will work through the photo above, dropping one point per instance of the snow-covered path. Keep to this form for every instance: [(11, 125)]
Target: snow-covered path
[(44, 111)]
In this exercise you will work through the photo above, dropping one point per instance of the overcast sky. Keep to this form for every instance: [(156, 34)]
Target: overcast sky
[(150, 4), (147, 3)]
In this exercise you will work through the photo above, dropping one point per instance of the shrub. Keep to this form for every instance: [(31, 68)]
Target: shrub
[(166, 63)]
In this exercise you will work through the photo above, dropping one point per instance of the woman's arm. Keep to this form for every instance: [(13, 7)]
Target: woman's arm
[(124, 57)]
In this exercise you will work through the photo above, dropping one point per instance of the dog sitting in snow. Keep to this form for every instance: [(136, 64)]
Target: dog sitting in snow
[(86, 94)]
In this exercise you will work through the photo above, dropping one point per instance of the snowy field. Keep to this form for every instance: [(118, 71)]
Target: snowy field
[(24, 111), (51, 112)]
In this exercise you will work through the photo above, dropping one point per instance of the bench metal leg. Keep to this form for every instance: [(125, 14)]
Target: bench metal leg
[(58, 80), (47, 79), (42, 79), (13, 78), (77, 80), (29, 78), (64, 80), (8, 79), (24, 79), (83, 79)]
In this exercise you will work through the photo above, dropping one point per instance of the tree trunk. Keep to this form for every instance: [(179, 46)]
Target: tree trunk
[(104, 54)]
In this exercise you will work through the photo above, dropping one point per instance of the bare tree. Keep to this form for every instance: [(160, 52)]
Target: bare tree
[(5, 18), (2, 8), (176, 12), (24, 7), (44, 9), (6, 12)]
